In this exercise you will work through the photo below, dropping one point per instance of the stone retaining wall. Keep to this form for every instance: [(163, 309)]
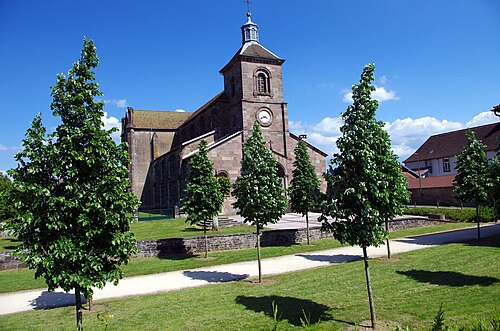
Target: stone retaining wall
[(194, 245), (8, 261)]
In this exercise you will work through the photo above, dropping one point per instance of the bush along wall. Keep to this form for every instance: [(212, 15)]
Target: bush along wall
[(487, 214)]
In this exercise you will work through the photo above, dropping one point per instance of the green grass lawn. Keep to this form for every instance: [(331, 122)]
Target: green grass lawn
[(23, 279), (178, 228), (464, 278)]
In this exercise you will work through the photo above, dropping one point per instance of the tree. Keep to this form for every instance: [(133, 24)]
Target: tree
[(495, 183), (6, 207), (204, 198), (259, 195), (394, 202), (304, 187), (473, 180), (361, 191), (71, 191)]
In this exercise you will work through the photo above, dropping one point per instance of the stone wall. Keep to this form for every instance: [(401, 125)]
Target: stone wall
[(195, 245), (8, 261)]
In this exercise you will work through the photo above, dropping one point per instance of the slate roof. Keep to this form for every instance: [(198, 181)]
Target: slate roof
[(431, 182), (157, 119), (219, 97), (451, 143), (254, 49)]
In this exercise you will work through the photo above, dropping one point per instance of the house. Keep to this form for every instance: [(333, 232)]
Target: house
[(162, 143), (435, 162)]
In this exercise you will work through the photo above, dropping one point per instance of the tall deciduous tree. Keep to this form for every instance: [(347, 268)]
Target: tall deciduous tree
[(204, 196), (71, 191), (473, 180), (361, 191), (394, 199), (495, 182), (258, 190), (304, 190), (6, 206)]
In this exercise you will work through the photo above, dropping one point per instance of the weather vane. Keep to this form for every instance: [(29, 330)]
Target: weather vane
[(248, 3)]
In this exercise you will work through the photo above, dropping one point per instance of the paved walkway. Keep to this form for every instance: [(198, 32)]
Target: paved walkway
[(169, 281)]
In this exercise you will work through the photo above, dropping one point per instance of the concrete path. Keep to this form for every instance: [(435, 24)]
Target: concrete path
[(169, 281)]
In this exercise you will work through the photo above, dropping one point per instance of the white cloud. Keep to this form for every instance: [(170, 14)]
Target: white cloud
[(180, 110), (486, 117), (380, 94), (120, 103), (3, 148), (383, 80), (112, 122), (406, 134)]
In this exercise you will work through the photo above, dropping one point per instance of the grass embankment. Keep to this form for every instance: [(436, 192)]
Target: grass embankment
[(462, 277), (23, 279)]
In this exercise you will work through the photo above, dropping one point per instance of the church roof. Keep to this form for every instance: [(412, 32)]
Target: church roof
[(220, 96), (157, 119), (254, 49), (451, 143)]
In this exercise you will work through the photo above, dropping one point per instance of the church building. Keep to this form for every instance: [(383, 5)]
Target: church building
[(161, 143)]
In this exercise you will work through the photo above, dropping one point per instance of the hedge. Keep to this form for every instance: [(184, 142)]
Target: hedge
[(487, 214)]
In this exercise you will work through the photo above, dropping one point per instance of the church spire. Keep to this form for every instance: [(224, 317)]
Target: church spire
[(250, 30)]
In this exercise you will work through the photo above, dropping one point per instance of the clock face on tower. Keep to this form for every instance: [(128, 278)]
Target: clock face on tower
[(265, 117)]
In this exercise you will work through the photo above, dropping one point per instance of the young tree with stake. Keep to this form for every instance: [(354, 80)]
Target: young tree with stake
[(204, 197), (73, 207), (358, 184), (473, 180), (259, 195), (304, 187)]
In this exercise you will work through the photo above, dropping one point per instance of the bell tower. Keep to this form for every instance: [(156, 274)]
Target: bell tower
[(253, 85)]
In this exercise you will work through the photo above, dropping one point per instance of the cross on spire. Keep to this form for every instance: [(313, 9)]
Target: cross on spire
[(248, 3)]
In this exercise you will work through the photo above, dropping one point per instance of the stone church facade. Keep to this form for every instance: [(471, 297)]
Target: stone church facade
[(162, 143)]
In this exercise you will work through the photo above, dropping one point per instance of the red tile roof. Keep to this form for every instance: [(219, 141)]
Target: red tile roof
[(450, 143), (430, 182)]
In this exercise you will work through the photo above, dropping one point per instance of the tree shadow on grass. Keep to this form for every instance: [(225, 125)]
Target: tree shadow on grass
[(448, 278), (48, 300), (339, 258), (214, 276), (290, 309)]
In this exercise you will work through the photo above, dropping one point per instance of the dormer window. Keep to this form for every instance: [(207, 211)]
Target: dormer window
[(262, 82)]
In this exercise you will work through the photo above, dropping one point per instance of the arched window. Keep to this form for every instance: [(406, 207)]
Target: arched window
[(261, 83)]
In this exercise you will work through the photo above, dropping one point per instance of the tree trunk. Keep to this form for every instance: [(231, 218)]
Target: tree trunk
[(78, 306), (90, 302), (307, 227), (387, 240), (477, 220), (369, 286), (206, 239), (258, 254)]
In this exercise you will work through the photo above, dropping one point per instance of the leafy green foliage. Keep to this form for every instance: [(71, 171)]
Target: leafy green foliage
[(225, 186), (473, 181), (459, 215), (304, 187), (70, 189), (438, 322), (204, 197), (495, 182), (365, 182), (259, 196), (258, 190), (6, 206)]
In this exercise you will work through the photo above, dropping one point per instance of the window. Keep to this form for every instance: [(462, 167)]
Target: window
[(446, 165), (261, 83)]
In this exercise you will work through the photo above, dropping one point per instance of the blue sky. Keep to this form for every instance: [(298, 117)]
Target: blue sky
[(437, 62)]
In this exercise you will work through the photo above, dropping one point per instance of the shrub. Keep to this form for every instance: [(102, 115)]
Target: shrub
[(460, 215)]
